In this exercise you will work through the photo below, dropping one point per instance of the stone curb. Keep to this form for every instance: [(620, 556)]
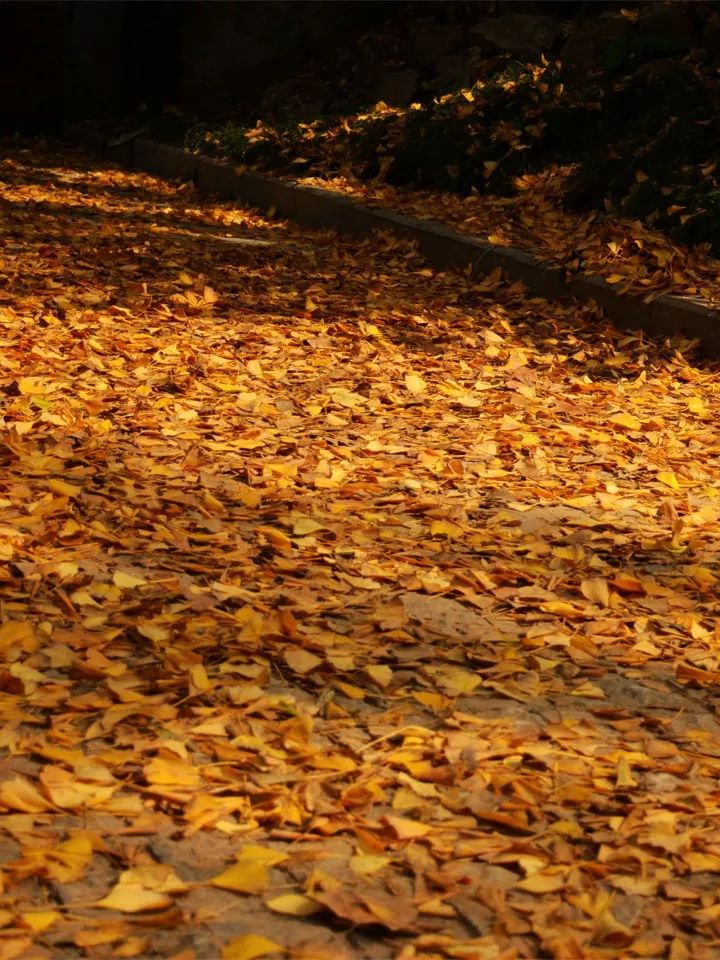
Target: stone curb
[(440, 246)]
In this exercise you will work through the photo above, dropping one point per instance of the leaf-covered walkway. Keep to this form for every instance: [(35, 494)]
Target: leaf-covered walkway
[(347, 610)]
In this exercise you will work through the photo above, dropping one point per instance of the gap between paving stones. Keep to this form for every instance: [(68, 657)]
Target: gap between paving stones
[(442, 247)]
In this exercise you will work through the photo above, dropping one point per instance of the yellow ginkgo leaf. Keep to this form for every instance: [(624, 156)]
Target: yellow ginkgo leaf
[(245, 876), (39, 920), (294, 904), (380, 674), (260, 854), (127, 581), (407, 829), (541, 883), (669, 479), (172, 773), (446, 528), (63, 487), (20, 794), (626, 420), (596, 590), (415, 384), (301, 661), (134, 898), (249, 947)]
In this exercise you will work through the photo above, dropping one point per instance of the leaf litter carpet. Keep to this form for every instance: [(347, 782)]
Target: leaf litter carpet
[(348, 609)]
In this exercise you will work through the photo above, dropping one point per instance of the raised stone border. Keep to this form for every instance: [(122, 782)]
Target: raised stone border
[(442, 247)]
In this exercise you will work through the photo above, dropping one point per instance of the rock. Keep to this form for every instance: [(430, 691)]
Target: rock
[(309, 110), (664, 30), (397, 88), (602, 42), (520, 32), (711, 36), (434, 41), (663, 69), (452, 72), (445, 617)]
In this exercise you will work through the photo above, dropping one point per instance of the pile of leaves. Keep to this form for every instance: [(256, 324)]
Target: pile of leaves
[(348, 609)]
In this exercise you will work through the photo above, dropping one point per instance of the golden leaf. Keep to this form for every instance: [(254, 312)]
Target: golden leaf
[(19, 794), (294, 904), (407, 829), (415, 384), (446, 528), (541, 883), (127, 581), (245, 876), (669, 479), (626, 420), (250, 946), (380, 674), (596, 590), (172, 773), (301, 661)]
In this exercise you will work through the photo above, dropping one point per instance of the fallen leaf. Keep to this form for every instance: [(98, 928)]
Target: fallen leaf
[(294, 904), (249, 946)]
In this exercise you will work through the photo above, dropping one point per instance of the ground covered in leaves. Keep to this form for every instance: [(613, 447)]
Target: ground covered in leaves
[(348, 609)]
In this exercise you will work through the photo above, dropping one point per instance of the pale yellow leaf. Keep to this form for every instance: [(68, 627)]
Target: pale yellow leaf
[(415, 384), (541, 883), (162, 771), (301, 661), (407, 829), (364, 865), (590, 690), (294, 904), (596, 590), (347, 398), (20, 794), (305, 525), (134, 898), (127, 581)]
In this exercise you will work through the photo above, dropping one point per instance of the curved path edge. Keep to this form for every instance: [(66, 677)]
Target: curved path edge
[(666, 315)]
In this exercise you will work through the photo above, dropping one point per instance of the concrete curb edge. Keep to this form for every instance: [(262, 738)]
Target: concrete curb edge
[(440, 246)]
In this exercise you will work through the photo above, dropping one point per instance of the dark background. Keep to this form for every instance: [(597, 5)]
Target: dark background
[(65, 61)]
